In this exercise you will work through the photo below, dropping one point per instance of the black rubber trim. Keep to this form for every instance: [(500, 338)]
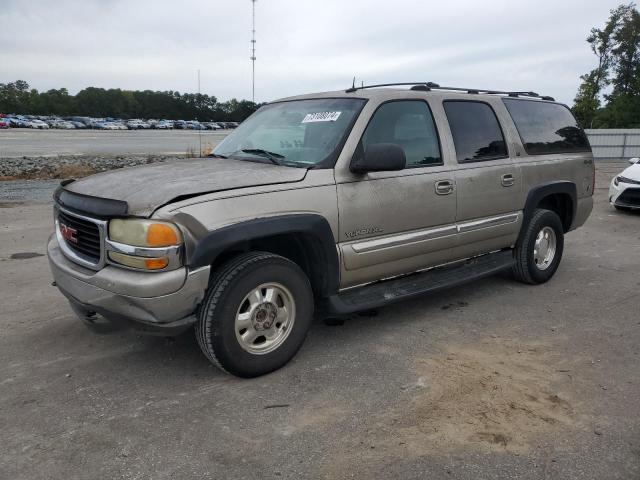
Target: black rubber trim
[(539, 192), (95, 207), (316, 226), (397, 289)]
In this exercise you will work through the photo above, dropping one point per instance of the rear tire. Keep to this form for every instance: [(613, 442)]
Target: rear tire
[(540, 248), (255, 315)]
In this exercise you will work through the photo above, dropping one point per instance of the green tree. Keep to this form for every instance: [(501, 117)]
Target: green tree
[(627, 54), (602, 43), (18, 97)]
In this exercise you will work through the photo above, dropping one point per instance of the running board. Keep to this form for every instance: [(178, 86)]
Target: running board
[(400, 288)]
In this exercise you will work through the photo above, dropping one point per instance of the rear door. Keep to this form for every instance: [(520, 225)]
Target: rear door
[(488, 213), (393, 223), (553, 147)]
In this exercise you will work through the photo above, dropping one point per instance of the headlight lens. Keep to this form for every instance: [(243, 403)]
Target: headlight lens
[(144, 233), (621, 179), (615, 181), (139, 262)]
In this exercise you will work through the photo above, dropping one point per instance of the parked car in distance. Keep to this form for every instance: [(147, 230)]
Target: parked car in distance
[(624, 191), (4, 122), (39, 124), (164, 125), (330, 203)]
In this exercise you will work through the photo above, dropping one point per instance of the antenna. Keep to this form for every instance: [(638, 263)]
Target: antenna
[(253, 52)]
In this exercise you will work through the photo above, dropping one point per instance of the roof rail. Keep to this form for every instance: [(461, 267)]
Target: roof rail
[(427, 86)]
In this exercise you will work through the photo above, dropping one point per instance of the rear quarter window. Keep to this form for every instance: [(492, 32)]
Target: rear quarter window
[(546, 128)]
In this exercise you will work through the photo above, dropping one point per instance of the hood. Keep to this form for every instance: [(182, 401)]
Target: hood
[(632, 172), (148, 187)]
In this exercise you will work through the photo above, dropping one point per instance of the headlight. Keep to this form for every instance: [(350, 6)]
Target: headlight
[(621, 179), (144, 233), (615, 181), (144, 244), (142, 263)]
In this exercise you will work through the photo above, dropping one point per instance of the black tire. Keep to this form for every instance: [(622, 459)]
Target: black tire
[(525, 269), (216, 327)]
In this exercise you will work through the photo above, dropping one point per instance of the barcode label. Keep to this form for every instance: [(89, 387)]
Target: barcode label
[(321, 117)]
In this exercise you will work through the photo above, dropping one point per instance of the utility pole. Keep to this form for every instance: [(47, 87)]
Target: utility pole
[(199, 108), (253, 52)]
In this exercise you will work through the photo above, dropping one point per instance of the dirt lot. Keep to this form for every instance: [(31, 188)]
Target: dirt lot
[(490, 380)]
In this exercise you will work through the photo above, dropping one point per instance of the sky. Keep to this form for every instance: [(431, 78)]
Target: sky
[(302, 46)]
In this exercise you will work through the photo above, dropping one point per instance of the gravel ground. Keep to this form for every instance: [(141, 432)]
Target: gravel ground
[(71, 165), (491, 380)]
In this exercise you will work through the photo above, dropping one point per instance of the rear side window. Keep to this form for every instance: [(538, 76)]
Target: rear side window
[(476, 132), (546, 128), (409, 124)]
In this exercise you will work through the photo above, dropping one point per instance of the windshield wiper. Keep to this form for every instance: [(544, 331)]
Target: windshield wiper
[(217, 155), (274, 157)]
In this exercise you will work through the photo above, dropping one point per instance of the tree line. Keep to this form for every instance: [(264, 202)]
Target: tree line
[(609, 95), (17, 97)]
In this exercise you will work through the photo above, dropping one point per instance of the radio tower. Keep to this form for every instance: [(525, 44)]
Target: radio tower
[(253, 52)]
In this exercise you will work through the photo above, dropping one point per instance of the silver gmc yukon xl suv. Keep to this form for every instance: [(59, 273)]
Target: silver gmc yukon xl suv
[(328, 203)]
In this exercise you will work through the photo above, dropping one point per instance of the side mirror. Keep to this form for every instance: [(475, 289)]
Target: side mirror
[(380, 157), (634, 160)]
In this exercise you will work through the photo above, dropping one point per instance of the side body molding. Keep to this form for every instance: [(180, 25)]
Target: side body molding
[(538, 192), (314, 227)]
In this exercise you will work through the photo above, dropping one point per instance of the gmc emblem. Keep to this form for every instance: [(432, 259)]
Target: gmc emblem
[(68, 233)]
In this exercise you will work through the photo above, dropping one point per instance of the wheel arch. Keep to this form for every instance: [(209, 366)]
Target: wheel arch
[(559, 197), (305, 239)]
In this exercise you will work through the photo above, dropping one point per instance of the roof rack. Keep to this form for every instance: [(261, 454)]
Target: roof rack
[(427, 86)]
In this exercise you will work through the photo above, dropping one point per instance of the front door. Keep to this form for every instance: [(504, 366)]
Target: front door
[(393, 223)]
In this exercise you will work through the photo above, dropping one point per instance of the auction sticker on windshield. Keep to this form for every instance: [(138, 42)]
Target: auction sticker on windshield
[(321, 117)]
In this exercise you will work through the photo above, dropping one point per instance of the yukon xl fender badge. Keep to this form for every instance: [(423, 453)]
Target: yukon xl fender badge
[(68, 233), (363, 231)]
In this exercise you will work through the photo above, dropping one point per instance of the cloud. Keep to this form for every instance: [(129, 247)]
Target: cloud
[(302, 46)]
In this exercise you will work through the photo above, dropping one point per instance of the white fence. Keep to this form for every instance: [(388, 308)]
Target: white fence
[(614, 144)]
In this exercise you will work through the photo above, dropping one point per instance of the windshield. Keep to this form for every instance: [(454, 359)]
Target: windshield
[(298, 133)]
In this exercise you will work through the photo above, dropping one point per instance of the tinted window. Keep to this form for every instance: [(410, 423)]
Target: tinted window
[(546, 127), (476, 132), (408, 124)]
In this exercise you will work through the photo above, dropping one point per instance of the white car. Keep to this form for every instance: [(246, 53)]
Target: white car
[(39, 124), (624, 192)]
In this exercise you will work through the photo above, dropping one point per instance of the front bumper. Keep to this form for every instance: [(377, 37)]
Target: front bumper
[(624, 195), (157, 302)]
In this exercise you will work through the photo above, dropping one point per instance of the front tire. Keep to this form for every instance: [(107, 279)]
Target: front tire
[(255, 315), (539, 251)]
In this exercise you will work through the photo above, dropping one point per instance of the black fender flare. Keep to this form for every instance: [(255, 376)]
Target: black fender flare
[(210, 246), (537, 193)]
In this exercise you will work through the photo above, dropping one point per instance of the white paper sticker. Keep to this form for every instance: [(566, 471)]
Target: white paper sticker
[(321, 117)]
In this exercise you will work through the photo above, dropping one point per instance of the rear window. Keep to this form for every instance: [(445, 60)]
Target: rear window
[(546, 128), (477, 135)]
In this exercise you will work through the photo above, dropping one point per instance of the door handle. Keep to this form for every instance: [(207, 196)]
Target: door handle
[(444, 187), (508, 180)]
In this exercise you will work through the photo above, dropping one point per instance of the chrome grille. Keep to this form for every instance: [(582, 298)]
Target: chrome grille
[(81, 238)]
